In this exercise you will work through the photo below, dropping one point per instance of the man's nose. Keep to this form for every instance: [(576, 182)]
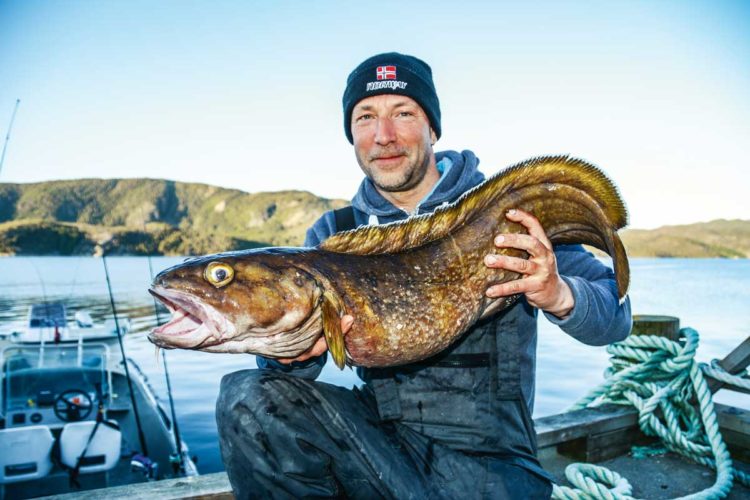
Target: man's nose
[(385, 132)]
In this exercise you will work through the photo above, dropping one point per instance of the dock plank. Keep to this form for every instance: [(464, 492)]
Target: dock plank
[(563, 427), (735, 362), (556, 429), (205, 487)]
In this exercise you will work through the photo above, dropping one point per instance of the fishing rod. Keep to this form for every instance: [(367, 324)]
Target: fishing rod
[(141, 437), (7, 135), (43, 332), (176, 428), (41, 281)]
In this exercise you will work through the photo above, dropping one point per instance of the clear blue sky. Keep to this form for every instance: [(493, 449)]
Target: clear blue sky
[(247, 94)]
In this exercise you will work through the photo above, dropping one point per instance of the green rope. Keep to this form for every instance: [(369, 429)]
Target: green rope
[(717, 372), (650, 373)]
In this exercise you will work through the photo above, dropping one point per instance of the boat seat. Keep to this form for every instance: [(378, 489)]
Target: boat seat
[(102, 453), (25, 453), (83, 319)]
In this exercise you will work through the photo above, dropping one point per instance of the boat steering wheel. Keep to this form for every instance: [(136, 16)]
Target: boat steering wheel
[(73, 405)]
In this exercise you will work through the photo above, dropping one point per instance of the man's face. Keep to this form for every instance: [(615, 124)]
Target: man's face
[(393, 141)]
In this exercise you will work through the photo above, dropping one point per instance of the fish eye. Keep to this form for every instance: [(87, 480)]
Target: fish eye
[(218, 274)]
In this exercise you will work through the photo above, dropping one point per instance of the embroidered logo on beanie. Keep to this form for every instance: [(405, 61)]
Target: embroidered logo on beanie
[(385, 73)]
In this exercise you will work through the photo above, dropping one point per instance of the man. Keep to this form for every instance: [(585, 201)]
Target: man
[(457, 425)]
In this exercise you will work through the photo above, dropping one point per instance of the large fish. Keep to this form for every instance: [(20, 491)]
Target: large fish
[(413, 287)]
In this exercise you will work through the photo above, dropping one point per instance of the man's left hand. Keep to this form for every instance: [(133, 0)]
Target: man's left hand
[(541, 283)]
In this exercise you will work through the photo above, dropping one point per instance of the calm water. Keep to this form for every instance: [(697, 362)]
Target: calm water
[(711, 295)]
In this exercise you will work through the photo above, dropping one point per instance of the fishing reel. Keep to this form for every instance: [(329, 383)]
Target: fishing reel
[(144, 465)]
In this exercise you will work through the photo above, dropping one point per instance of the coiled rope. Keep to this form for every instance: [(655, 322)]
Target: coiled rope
[(651, 372)]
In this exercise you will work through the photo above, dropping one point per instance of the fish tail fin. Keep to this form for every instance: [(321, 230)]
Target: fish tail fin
[(576, 203), (607, 241), (622, 268)]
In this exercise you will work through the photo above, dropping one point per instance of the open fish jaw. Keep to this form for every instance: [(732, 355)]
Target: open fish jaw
[(196, 324), (193, 325)]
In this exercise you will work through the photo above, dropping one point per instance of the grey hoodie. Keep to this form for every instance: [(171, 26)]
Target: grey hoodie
[(460, 174)]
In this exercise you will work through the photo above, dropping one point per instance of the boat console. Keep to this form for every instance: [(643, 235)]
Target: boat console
[(53, 384), (52, 392)]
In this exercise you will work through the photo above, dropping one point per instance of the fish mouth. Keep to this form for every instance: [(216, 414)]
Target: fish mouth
[(193, 325)]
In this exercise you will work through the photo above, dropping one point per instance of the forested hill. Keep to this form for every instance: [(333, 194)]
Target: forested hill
[(142, 216), (718, 238)]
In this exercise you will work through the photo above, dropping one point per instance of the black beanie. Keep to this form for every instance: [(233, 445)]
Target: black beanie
[(392, 73)]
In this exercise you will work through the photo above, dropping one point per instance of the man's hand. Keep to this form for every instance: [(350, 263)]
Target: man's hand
[(541, 283), (320, 346)]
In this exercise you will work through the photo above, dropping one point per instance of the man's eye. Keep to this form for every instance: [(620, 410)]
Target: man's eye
[(364, 117), (406, 113)]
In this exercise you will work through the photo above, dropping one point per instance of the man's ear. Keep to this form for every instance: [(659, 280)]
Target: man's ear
[(433, 137)]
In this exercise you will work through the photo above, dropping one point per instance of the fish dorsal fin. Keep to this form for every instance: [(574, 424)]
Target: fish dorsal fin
[(419, 230)]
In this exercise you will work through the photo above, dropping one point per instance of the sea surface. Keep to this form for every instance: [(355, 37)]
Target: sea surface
[(709, 295)]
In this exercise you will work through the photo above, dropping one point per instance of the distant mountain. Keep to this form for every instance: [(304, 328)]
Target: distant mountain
[(718, 238), (142, 216)]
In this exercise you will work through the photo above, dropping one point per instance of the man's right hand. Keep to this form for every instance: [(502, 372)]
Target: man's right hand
[(320, 346)]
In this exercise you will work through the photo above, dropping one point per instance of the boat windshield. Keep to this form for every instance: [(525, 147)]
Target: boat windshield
[(34, 376), (46, 315)]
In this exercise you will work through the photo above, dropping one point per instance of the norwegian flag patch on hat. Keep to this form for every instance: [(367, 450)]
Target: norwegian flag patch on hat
[(385, 73)]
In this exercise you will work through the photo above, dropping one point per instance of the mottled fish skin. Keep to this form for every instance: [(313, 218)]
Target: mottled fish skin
[(412, 305), (412, 287)]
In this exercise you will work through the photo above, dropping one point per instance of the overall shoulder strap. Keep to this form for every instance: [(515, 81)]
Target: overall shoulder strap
[(344, 218)]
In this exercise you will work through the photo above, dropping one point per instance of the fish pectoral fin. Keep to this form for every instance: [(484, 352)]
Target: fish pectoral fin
[(333, 310)]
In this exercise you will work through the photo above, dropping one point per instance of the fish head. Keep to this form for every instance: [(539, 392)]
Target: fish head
[(242, 302)]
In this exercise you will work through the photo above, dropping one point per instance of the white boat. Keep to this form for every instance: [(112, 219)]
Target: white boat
[(48, 323), (66, 405)]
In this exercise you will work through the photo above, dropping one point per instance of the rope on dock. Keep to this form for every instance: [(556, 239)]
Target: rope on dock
[(714, 370), (652, 372)]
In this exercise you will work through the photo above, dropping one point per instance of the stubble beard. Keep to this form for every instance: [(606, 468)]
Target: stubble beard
[(400, 180)]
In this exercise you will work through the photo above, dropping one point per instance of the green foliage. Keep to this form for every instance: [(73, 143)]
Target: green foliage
[(180, 243), (151, 216), (43, 238), (9, 194)]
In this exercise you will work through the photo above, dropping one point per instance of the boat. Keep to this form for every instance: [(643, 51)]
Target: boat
[(75, 413), (48, 323)]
